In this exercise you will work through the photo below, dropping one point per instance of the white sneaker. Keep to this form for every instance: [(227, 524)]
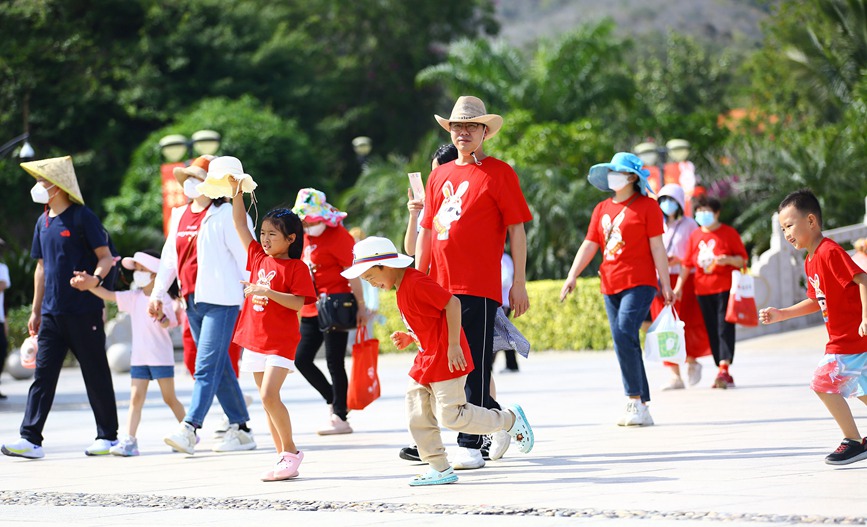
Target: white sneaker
[(184, 439), (23, 448), (693, 373), (468, 459), (675, 383), (637, 414), (100, 447), (222, 427), (236, 440), (338, 426), (500, 442)]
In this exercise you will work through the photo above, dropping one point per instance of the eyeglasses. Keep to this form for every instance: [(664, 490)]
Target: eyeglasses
[(460, 127)]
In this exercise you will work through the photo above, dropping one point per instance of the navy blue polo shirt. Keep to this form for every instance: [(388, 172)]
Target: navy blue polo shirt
[(63, 250)]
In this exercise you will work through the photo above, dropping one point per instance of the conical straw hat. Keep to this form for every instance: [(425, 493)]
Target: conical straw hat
[(59, 171)]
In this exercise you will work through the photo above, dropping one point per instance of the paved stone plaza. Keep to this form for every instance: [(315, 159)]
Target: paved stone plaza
[(747, 456)]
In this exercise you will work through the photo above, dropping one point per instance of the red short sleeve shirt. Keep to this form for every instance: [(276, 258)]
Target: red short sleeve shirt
[(328, 254), (829, 282), (422, 302), (623, 233), (703, 248), (264, 325), (467, 210), (185, 243)]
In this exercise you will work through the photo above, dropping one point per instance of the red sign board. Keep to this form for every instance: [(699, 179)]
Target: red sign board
[(173, 193)]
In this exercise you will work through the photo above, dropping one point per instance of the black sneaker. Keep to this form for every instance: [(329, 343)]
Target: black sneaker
[(485, 448), (410, 453), (849, 451)]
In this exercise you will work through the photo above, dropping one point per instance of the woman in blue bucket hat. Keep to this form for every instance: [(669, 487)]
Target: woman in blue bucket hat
[(628, 227)]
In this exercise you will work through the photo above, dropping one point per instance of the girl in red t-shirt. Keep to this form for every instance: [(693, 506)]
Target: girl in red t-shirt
[(628, 228), (714, 251), (268, 325)]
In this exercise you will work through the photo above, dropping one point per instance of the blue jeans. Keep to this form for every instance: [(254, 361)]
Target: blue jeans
[(626, 311), (212, 326)]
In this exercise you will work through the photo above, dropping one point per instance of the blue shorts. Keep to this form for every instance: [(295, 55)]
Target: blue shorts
[(842, 374), (152, 373)]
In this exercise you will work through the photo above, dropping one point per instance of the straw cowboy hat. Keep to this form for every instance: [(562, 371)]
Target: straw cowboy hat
[(217, 185), (310, 205), (198, 169), (621, 162), (59, 171), (471, 109), (374, 251)]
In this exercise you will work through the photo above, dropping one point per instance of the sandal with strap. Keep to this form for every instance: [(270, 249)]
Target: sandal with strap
[(521, 431), (434, 477)]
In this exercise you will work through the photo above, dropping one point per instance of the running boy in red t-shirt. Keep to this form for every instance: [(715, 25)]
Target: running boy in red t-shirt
[(435, 395), (838, 287)]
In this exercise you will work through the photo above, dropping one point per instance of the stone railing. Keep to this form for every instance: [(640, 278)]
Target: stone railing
[(780, 279)]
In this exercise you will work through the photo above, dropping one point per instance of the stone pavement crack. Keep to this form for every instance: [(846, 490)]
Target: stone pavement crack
[(70, 499)]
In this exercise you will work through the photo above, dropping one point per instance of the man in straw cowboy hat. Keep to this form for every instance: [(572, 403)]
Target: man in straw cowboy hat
[(475, 200), (68, 237)]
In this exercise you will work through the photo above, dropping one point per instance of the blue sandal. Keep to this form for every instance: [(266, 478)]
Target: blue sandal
[(434, 477), (521, 431)]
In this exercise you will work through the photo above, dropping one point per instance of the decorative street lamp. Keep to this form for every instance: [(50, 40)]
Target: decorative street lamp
[(669, 164), (176, 147), (26, 152), (362, 146)]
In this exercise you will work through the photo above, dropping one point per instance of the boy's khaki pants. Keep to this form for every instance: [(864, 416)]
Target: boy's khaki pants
[(445, 403)]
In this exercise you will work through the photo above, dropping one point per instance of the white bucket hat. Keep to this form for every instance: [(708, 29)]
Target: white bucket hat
[(59, 171), (151, 263), (374, 250), (216, 184), (471, 109), (675, 192)]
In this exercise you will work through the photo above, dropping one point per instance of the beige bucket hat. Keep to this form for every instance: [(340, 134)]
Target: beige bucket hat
[(59, 171), (217, 185), (471, 109)]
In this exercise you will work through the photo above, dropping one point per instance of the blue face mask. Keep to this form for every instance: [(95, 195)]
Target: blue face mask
[(669, 207), (704, 218)]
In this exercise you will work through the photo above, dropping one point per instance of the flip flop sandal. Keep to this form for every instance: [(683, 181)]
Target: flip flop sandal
[(434, 477), (521, 431)]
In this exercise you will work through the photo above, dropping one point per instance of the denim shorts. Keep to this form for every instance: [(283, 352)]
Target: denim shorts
[(152, 373), (842, 374), (255, 362)]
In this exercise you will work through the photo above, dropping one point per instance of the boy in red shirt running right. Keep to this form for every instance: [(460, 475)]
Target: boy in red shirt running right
[(436, 392), (838, 287)]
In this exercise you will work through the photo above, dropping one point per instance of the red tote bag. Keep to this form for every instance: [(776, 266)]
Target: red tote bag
[(741, 308), (364, 382)]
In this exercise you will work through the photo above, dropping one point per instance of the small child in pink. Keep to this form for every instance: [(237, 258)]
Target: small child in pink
[(435, 395)]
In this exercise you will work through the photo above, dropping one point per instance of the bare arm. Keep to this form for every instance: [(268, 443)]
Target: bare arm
[(681, 280), (861, 280), (409, 239), (99, 291), (422, 250), (660, 260), (38, 295), (582, 258), (239, 216), (358, 293), (453, 321), (287, 300), (518, 298), (771, 315)]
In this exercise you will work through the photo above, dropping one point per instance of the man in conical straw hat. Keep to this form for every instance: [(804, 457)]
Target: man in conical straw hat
[(473, 202), (68, 239)]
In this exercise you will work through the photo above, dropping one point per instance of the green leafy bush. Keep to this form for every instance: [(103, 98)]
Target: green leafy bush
[(579, 323)]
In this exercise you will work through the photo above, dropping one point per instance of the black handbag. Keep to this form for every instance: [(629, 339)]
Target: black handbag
[(337, 312)]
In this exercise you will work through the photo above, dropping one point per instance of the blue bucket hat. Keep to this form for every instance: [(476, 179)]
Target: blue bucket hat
[(621, 162)]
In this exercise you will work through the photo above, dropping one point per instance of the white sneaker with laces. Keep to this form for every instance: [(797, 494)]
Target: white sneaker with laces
[(222, 427), (500, 442), (468, 459), (693, 373), (23, 448), (100, 447), (184, 439), (675, 383), (236, 440), (637, 414)]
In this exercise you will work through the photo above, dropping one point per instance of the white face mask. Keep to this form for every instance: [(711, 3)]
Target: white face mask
[(142, 278), (190, 188), (39, 194), (315, 230), (617, 181)]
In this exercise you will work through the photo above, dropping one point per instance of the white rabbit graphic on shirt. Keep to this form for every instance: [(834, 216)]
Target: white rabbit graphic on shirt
[(706, 257), (820, 295), (613, 237), (450, 209), (259, 302)]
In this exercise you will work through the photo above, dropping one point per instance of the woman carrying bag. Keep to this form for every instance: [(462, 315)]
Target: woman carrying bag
[(327, 251)]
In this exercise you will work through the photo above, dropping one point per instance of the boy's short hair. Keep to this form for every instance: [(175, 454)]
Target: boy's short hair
[(804, 202), (705, 201)]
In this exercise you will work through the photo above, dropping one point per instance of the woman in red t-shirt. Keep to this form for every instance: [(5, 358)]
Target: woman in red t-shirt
[(714, 251), (327, 252), (628, 228)]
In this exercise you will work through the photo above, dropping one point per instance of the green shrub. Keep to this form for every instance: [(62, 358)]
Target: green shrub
[(579, 323)]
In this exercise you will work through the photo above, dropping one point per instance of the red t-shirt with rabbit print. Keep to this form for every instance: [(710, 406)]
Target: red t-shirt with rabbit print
[(264, 325), (467, 209), (703, 247), (623, 232)]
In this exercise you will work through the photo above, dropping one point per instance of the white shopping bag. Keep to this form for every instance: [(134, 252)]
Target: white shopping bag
[(666, 338)]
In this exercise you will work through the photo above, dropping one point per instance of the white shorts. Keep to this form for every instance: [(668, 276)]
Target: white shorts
[(254, 362)]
